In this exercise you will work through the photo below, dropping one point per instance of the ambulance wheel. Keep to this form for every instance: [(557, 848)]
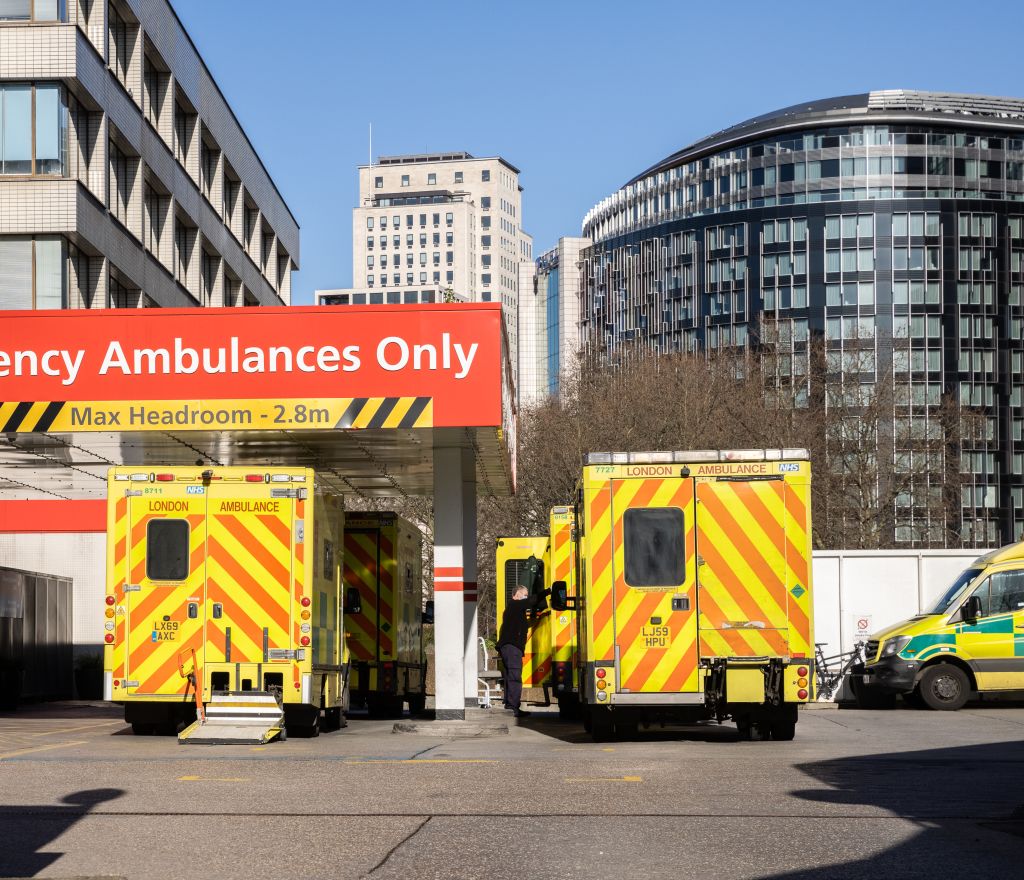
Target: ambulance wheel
[(333, 718), (417, 704), (602, 724), (752, 731), (627, 727), (944, 687)]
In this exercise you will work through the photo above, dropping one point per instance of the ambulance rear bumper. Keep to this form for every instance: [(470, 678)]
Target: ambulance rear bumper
[(621, 699)]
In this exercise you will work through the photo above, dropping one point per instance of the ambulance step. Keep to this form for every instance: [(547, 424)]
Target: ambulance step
[(240, 717)]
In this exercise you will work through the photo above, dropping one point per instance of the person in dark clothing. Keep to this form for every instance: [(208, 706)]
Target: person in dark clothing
[(512, 645)]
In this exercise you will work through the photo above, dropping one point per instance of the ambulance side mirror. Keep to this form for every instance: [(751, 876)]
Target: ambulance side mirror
[(972, 609), (559, 596), (428, 612), (353, 604)]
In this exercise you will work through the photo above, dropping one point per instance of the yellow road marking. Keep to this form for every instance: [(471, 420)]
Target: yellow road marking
[(211, 779), (258, 749), (606, 779), (422, 761), (28, 751)]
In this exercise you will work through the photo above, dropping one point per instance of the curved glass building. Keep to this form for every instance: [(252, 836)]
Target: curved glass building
[(889, 226)]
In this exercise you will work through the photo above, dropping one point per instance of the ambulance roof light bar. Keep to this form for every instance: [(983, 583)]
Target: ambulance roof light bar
[(695, 456)]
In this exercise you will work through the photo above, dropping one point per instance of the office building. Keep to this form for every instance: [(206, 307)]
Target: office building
[(888, 227), (434, 227), (549, 317), (125, 178)]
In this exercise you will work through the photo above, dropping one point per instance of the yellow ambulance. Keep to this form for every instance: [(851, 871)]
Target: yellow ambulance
[(526, 562), (224, 586), (693, 593), (970, 641), (384, 612)]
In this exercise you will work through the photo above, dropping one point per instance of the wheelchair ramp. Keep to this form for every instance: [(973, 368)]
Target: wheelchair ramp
[(237, 717)]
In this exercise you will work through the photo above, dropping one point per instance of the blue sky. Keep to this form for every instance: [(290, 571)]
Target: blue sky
[(579, 95)]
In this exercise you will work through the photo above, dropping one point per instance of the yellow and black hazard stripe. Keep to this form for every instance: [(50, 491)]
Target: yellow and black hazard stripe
[(27, 416), (345, 413), (388, 412)]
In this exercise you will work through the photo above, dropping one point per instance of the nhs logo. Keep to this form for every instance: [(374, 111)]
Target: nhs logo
[(785, 467), (195, 490)]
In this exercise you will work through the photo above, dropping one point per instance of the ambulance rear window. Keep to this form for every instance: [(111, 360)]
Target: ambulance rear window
[(653, 547), (528, 573), (167, 549)]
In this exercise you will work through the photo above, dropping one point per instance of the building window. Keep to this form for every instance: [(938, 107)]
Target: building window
[(485, 241), (449, 277), (369, 222), (378, 183), (32, 10), (405, 180), (184, 124), (431, 180), (449, 219), (17, 135), (485, 202), (119, 44), (33, 272), (458, 177), (485, 279), (208, 160), (121, 183), (485, 176), (153, 80), (449, 257), (154, 220), (121, 296)]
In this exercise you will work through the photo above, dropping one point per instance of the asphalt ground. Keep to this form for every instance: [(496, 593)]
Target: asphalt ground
[(857, 794)]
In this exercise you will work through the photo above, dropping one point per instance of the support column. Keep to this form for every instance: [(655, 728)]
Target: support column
[(449, 625), (469, 595)]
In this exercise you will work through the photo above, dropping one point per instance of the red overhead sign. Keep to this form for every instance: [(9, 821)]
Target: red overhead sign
[(313, 367)]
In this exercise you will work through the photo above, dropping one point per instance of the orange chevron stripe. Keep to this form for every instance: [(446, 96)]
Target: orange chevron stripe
[(240, 620), (683, 670), (248, 582), (795, 505), (278, 528), (732, 637), (645, 608), (750, 551), (643, 670), (279, 574)]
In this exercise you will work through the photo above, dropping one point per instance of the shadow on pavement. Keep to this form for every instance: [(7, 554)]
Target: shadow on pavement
[(27, 829), (952, 795), (549, 724)]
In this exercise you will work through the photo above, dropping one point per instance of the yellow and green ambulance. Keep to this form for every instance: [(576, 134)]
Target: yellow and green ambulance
[(970, 641)]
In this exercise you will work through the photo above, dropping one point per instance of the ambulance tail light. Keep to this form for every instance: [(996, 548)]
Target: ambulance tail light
[(256, 478), (109, 638), (280, 478), (110, 600), (802, 694), (601, 673), (165, 478), (802, 671)]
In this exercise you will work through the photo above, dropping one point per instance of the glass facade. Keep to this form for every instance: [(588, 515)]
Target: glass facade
[(552, 332), (895, 246)]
